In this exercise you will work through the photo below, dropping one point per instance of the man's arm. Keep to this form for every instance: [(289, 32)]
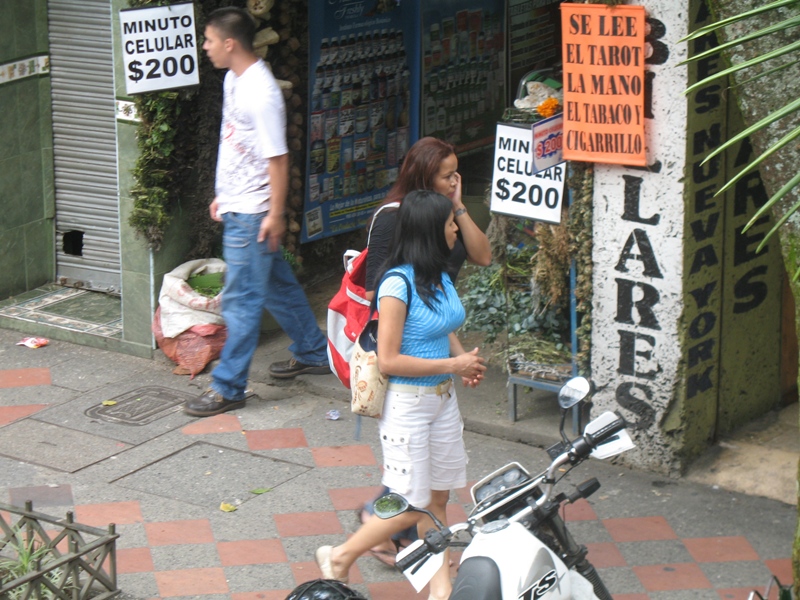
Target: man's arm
[(274, 224)]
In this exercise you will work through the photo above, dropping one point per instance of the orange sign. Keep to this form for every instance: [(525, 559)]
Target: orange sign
[(603, 56)]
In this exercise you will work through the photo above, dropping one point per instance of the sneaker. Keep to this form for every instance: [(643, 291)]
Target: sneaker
[(209, 404), (287, 369)]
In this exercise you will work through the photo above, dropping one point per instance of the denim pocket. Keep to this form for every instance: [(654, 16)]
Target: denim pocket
[(396, 460), (235, 249)]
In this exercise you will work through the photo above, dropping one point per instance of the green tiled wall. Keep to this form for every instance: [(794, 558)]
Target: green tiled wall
[(26, 157)]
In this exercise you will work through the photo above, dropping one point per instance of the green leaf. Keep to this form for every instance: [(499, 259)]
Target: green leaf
[(768, 120), (259, 491), (777, 27), (735, 18), (744, 65), (778, 195), (766, 154)]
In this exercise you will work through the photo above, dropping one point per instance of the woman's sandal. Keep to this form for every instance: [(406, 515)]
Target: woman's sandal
[(388, 557)]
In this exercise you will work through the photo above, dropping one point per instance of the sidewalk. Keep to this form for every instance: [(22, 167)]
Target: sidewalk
[(161, 476)]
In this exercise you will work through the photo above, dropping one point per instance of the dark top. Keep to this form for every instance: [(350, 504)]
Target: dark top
[(381, 238)]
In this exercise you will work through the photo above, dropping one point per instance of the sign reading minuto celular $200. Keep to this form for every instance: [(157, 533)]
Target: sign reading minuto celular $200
[(603, 51), (159, 47)]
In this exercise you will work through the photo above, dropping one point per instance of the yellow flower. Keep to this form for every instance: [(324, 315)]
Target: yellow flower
[(548, 108)]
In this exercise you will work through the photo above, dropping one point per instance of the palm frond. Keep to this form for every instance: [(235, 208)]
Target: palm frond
[(766, 73), (770, 203), (794, 46), (776, 28), (766, 121), (736, 18), (766, 154)]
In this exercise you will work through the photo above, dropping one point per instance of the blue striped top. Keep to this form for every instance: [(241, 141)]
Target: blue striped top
[(426, 330)]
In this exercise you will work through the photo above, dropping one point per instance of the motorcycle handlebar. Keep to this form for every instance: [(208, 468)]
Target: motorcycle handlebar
[(583, 446), (414, 557)]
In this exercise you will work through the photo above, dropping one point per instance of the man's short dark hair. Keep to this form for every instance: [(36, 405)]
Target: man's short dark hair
[(234, 23)]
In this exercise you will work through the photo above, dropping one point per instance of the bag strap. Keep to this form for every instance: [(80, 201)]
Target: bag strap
[(374, 307), (374, 304), (375, 217)]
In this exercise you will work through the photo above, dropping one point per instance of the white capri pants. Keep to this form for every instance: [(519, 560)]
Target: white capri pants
[(423, 444)]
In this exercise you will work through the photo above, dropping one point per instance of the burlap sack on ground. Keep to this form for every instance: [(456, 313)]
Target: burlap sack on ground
[(181, 306), (193, 349), (188, 326)]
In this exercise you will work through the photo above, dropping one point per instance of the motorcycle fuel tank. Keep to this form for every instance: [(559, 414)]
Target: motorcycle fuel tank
[(528, 569)]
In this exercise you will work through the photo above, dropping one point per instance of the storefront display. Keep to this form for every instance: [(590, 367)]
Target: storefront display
[(463, 69), (364, 115)]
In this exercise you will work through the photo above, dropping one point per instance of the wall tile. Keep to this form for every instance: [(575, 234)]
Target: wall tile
[(8, 117), (8, 46), (42, 37), (12, 249), (28, 114), (137, 308), (45, 112), (48, 184), (25, 28), (31, 190), (10, 199), (39, 252)]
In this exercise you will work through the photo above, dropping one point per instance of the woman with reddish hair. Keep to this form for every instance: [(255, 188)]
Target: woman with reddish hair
[(430, 164)]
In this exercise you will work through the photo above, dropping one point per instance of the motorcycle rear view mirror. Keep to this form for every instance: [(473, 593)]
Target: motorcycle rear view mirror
[(573, 391), (390, 505)]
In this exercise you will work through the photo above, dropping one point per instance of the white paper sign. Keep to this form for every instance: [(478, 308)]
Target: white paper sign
[(517, 189), (159, 48), (420, 574)]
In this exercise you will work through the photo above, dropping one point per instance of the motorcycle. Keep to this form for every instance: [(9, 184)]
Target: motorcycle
[(520, 547)]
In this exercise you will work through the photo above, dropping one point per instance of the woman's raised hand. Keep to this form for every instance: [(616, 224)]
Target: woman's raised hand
[(457, 194), (470, 367)]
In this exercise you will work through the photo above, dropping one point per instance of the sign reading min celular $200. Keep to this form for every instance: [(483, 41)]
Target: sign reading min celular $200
[(517, 188), (159, 46)]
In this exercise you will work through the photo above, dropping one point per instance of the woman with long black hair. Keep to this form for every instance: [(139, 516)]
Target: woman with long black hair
[(421, 426)]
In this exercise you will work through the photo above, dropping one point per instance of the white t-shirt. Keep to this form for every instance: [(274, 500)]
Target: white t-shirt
[(253, 130)]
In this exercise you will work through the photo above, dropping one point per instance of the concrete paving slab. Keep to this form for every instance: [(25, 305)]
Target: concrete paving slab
[(97, 369), (59, 448), (138, 406), (42, 496), (253, 577), (206, 475), (739, 574), (38, 394), (18, 473), (193, 556), (621, 580), (654, 553)]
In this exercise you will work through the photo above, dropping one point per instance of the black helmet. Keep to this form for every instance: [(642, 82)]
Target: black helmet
[(324, 589)]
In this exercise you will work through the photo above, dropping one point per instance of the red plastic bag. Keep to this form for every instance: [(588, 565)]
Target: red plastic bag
[(194, 348)]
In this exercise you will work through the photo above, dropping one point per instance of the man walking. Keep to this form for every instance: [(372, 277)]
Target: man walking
[(251, 185)]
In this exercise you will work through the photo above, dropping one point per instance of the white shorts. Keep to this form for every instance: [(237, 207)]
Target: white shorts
[(423, 443)]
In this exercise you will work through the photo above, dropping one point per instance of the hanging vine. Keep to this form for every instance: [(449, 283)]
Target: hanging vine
[(154, 192)]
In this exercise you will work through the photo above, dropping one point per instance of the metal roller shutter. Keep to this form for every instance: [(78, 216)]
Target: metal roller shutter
[(84, 145)]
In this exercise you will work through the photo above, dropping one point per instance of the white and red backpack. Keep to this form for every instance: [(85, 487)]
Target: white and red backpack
[(348, 310)]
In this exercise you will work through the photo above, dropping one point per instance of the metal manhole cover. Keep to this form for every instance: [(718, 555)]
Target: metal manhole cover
[(141, 406)]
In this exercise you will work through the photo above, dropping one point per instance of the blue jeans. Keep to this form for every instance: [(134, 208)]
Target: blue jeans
[(257, 279)]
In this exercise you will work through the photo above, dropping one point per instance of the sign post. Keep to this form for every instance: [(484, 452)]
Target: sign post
[(517, 188), (159, 46)]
